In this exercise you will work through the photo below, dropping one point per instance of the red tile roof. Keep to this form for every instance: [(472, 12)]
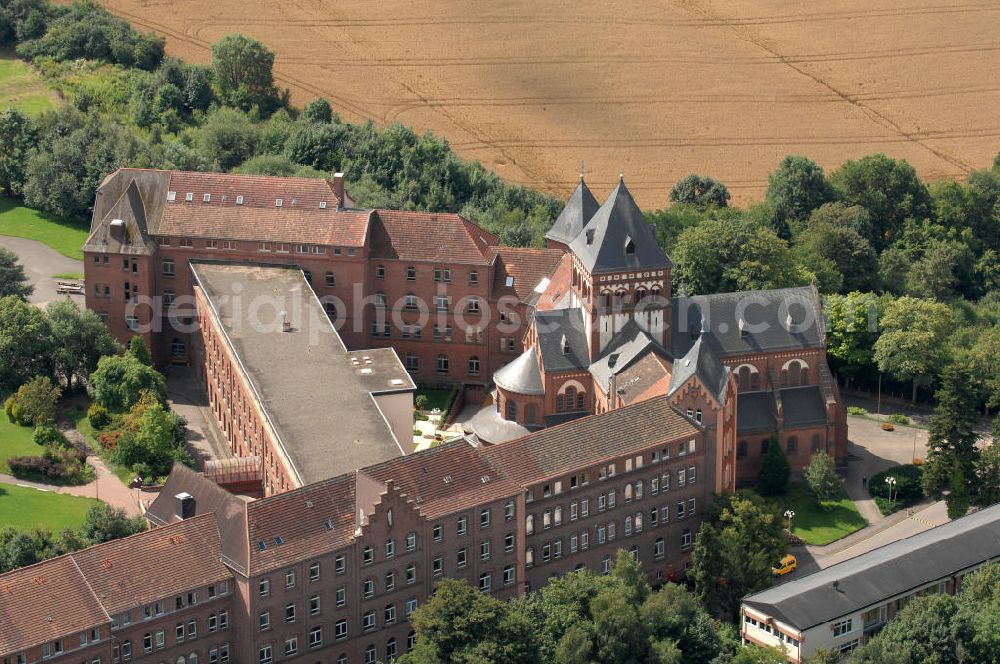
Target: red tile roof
[(155, 564), (445, 479), (526, 268), (299, 519), (589, 440), (44, 602), (430, 236), (559, 284)]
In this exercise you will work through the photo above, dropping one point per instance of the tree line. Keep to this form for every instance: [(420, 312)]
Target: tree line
[(128, 105)]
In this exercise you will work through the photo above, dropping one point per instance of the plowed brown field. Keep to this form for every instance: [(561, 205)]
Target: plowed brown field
[(657, 89)]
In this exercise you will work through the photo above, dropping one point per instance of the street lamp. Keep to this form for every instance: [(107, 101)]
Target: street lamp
[(788, 515), (891, 481)]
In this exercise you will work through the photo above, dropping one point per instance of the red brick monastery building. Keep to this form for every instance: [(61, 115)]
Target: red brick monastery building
[(612, 412)]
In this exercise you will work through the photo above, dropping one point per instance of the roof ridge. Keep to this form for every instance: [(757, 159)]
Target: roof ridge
[(86, 582)]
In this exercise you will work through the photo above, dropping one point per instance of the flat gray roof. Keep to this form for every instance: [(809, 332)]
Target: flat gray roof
[(380, 371), (316, 399), (892, 570)]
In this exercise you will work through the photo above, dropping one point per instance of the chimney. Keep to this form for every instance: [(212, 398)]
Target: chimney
[(338, 189), (184, 505), (742, 326), (286, 325)]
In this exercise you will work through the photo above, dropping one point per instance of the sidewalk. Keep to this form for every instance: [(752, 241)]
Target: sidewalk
[(106, 487)]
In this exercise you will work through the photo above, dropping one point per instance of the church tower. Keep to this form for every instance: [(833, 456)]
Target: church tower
[(620, 274)]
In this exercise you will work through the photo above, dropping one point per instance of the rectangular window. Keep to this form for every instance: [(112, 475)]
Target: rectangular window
[(264, 655), (315, 637), (339, 565), (843, 627), (340, 629), (314, 572), (341, 597)]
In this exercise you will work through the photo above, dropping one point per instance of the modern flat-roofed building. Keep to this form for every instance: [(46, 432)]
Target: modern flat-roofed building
[(281, 383), (842, 606)]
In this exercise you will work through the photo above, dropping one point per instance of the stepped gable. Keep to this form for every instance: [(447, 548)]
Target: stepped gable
[(618, 238), (700, 361), (579, 209)]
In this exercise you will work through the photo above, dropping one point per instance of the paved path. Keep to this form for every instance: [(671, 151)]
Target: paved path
[(187, 398), (106, 487), (40, 263)]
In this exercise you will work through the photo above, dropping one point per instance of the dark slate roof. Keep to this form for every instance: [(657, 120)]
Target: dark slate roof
[(766, 320), (488, 426), (522, 375), (700, 361), (601, 247), (551, 326), (886, 572), (755, 412), (580, 207), (630, 344), (802, 406)]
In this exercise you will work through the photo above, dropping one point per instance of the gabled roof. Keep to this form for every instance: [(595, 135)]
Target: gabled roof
[(646, 378), (700, 361), (445, 479), (524, 273), (442, 237), (618, 238), (43, 602), (755, 412), (765, 314), (579, 209), (129, 210), (522, 375), (589, 440), (803, 406), (878, 575), (155, 564), (309, 521), (628, 345), (552, 328)]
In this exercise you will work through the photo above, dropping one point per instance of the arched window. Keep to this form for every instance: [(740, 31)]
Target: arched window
[(741, 449), (529, 524), (560, 403), (530, 414), (570, 397), (804, 375), (744, 377), (511, 410), (697, 415), (640, 295), (330, 281), (331, 310)]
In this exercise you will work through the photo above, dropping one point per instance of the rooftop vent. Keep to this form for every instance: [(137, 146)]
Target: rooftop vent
[(328, 524), (397, 381), (286, 325), (278, 540), (261, 545), (309, 503), (184, 505), (484, 479)]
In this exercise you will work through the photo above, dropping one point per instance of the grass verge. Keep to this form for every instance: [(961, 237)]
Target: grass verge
[(15, 441), (73, 276), (24, 507), (820, 524), (63, 235)]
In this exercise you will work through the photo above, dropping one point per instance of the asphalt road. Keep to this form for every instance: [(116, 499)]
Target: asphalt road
[(40, 263)]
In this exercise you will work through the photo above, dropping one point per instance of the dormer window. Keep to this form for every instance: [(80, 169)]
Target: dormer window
[(278, 202), (565, 345), (207, 198), (742, 326), (629, 245), (590, 236), (189, 196)]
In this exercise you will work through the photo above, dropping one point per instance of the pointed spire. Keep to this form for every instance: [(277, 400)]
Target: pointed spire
[(581, 170)]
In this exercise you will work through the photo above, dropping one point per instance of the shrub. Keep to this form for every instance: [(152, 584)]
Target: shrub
[(34, 402), (897, 418), (47, 435), (909, 484), (56, 465), (856, 410), (98, 416), (774, 471), (420, 402)]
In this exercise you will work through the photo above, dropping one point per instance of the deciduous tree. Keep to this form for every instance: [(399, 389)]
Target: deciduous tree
[(913, 340), (80, 340), (821, 475)]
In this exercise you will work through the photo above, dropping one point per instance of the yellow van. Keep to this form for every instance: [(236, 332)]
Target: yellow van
[(787, 565)]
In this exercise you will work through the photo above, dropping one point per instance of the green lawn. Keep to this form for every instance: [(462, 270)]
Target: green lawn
[(15, 441), (817, 524), (24, 507), (22, 88), (63, 235), (436, 398)]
